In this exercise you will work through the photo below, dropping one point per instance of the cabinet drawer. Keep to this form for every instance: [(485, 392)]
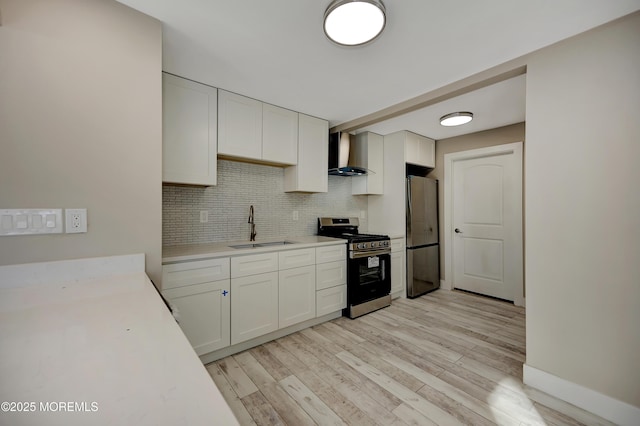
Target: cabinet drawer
[(296, 258), (243, 266), (331, 274), (331, 253), (195, 272), (397, 244), (331, 300)]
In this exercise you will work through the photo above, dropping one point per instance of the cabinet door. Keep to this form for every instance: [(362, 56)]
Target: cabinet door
[(239, 126), (420, 150), (203, 314), (296, 295), (310, 173), (372, 157), (412, 148), (254, 306), (189, 132), (279, 135), (331, 300), (397, 273), (427, 152)]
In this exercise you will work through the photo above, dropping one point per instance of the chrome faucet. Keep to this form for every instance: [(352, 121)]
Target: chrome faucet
[(253, 225)]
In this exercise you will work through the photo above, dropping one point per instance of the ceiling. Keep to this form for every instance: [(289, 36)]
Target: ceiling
[(276, 51)]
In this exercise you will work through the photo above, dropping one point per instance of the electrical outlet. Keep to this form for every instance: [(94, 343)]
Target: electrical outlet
[(204, 216), (75, 220)]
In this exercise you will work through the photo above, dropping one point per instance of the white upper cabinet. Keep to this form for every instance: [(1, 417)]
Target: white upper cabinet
[(310, 173), (368, 148), (189, 132), (253, 130), (279, 135), (420, 150), (239, 126)]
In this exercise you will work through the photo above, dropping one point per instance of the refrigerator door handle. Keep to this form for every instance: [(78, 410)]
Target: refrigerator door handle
[(409, 213)]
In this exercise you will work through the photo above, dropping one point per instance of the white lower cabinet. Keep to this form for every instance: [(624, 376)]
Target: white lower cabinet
[(296, 295), (254, 306), (203, 314), (331, 253), (331, 300), (398, 275), (331, 279), (227, 301), (243, 266), (296, 258), (331, 274), (194, 272)]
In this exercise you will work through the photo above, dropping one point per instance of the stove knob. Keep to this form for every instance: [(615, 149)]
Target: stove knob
[(386, 243), (374, 244), (360, 246)]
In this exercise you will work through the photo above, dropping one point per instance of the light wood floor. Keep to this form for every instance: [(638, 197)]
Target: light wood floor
[(445, 358)]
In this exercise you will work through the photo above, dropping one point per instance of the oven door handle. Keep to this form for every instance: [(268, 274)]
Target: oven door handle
[(361, 254)]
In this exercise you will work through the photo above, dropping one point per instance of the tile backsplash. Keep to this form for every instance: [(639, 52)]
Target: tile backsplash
[(241, 185)]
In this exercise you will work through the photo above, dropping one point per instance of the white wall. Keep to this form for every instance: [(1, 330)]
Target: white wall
[(582, 172), (80, 126)]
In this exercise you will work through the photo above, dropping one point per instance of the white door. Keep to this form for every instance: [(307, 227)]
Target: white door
[(487, 224)]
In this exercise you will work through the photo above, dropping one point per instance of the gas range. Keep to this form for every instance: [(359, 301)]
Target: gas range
[(369, 242), (347, 228), (368, 265)]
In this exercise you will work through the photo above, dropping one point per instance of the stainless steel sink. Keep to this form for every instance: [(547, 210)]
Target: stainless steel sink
[(244, 246), (274, 243), (257, 245)]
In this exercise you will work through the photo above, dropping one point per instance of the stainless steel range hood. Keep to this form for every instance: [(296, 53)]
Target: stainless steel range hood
[(342, 156)]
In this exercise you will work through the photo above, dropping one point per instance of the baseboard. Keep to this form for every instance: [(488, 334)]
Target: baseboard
[(243, 346), (611, 409), (445, 285)]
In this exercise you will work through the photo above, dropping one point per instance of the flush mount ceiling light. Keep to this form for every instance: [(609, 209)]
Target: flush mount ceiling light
[(354, 22), (456, 118)]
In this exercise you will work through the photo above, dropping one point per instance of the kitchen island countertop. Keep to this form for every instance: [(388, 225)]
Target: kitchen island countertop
[(90, 341)]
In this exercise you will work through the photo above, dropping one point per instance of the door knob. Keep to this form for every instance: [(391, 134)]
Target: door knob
[(458, 231)]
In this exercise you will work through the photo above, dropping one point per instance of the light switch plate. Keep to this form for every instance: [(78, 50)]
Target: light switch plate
[(30, 221)]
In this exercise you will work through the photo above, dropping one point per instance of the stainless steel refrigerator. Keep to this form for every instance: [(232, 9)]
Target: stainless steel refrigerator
[(423, 248)]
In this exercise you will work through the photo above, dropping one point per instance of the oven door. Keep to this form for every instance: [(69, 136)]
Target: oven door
[(369, 277)]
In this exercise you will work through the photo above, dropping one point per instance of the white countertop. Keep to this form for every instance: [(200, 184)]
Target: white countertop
[(382, 232), (83, 342), (187, 252)]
